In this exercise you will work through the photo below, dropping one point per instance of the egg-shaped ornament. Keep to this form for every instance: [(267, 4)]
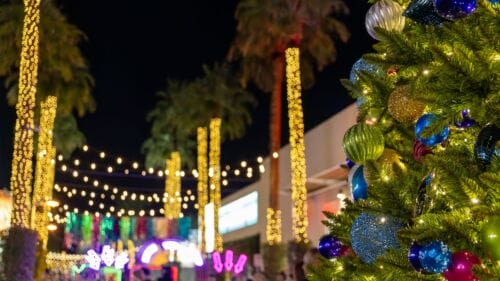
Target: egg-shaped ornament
[(359, 186), (363, 142), (330, 247), (435, 257), (490, 237), (402, 106), (385, 14), (422, 11), (427, 120), (487, 145), (454, 9)]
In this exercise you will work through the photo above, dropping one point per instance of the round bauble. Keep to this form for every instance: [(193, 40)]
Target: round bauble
[(420, 150), (385, 14), (494, 2), (371, 235), (422, 11), (454, 9), (390, 165), (361, 65), (329, 247), (487, 146), (461, 267), (349, 164), (356, 179), (402, 106), (466, 121), (435, 257), (423, 123), (490, 237), (363, 142), (413, 253)]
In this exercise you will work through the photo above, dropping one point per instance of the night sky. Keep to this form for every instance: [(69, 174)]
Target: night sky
[(133, 47)]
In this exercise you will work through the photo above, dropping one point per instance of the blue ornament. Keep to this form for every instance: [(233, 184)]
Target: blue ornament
[(349, 163), (371, 235), (494, 2), (361, 65), (466, 120), (454, 9), (487, 145), (422, 11), (359, 186), (435, 257), (413, 254), (426, 121), (329, 247)]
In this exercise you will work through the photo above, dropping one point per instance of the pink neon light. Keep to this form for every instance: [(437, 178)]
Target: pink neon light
[(218, 266), (240, 264), (228, 260)]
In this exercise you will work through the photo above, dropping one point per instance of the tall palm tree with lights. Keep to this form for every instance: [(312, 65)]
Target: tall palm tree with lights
[(266, 32)]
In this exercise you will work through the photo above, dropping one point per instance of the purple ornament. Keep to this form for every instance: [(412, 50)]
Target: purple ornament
[(454, 9), (466, 120), (413, 256), (330, 247), (461, 267), (349, 163), (420, 150)]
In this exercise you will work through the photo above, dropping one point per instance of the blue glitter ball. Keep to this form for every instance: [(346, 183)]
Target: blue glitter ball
[(422, 11), (454, 9), (425, 121), (358, 183), (329, 246), (413, 254), (371, 235), (435, 257), (358, 66)]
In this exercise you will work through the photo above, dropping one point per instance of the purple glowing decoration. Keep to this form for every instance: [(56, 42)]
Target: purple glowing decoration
[(228, 265), (461, 267), (466, 120), (217, 262), (228, 260), (240, 264)]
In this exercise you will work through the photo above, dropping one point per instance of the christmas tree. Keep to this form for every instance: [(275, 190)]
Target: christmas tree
[(424, 157)]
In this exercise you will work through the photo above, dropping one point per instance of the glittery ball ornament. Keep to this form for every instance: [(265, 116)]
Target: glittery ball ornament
[(359, 186), (461, 267), (402, 106), (329, 247), (389, 167), (385, 14), (454, 9), (435, 257), (363, 142), (423, 123), (490, 237), (361, 65), (422, 11), (372, 235), (487, 145), (420, 150), (413, 253), (466, 121)]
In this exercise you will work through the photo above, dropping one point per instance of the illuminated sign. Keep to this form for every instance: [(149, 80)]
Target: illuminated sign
[(107, 257), (209, 228), (185, 252), (228, 265), (240, 213)]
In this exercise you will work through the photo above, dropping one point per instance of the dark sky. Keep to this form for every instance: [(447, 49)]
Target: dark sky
[(134, 46)]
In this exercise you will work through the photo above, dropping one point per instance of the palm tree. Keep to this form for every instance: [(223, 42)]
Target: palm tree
[(63, 71)]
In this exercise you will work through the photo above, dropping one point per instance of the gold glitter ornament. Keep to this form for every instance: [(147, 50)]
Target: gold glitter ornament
[(403, 107), (389, 166)]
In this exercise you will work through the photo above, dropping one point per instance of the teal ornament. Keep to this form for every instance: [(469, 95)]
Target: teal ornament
[(423, 123), (494, 2), (435, 257), (359, 66), (423, 12), (371, 235), (487, 146), (359, 186)]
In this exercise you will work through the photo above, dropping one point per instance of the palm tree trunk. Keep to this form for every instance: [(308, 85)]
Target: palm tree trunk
[(19, 266), (202, 182), (214, 163)]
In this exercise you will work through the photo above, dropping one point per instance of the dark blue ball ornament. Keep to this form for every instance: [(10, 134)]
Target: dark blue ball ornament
[(426, 121), (422, 11), (454, 9), (466, 120), (435, 257), (329, 247), (371, 235), (413, 254), (487, 145), (349, 163), (359, 186), (361, 65)]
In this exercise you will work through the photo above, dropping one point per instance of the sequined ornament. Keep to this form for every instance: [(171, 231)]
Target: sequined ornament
[(420, 150), (422, 11), (361, 65), (385, 14), (363, 142), (402, 106), (426, 121), (461, 268), (359, 186), (454, 9), (490, 237), (329, 247), (371, 235), (435, 257), (487, 146)]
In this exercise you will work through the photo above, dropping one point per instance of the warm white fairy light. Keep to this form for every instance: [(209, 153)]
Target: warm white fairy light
[(135, 165), (85, 178), (102, 154), (76, 162)]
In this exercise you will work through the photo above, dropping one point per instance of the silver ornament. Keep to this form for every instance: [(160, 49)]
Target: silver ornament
[(385, 14)]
